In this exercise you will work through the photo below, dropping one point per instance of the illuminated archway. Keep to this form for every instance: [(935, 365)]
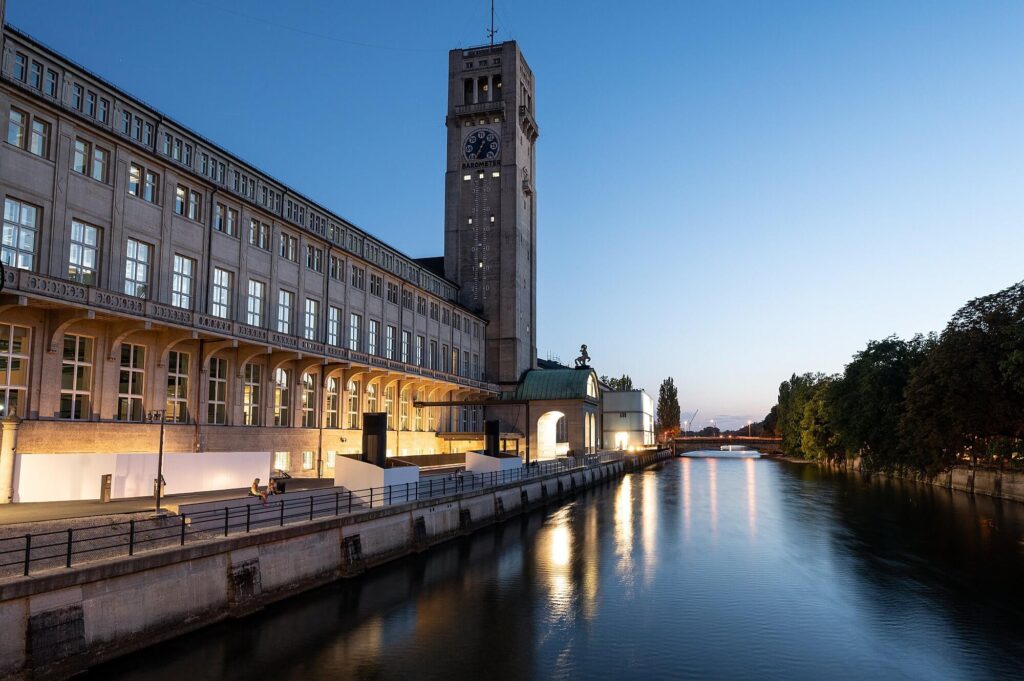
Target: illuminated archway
[(547, 435)]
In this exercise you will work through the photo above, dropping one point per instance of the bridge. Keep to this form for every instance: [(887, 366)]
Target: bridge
[(765, 445)]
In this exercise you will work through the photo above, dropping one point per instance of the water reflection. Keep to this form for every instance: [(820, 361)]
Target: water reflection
[(712, 465), (800, 573), (750, 469), (624, 527)]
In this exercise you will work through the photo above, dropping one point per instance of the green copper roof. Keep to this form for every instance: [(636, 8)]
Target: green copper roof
[(554, 384)]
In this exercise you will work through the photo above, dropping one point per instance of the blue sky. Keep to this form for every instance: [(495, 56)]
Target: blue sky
[(727, 192)]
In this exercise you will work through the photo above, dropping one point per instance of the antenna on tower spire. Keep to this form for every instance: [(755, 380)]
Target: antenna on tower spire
[(491, 31)]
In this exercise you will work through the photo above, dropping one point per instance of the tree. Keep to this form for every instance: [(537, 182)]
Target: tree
[(793, 397), (624, 383), (866, 404), (818, 438), (967, 395), (667, 416)]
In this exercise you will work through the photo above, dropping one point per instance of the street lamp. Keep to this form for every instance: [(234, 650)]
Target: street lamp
[(749, 423), (153, 417)]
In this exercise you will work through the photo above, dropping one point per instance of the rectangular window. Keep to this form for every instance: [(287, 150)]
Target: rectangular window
[(352, 403), (432, 357), (181, 282), (419, 350), (421, 305), (82, 255), (282, 461), (310, 329), (131, 382), (221, 293), (134, 180), (195, 207), (137, 130), (136, 268), (20, 66), (259, 234), (389, 406), (334, 326), (405, 346), (284, 311), (14, 349), (354, 331), (282, 397), (337, 268), (90, 104), (50, 83), (307, 460), (254, 303), (147, 132), (393, 293), (331, 405), (288, 247), (371, 339), (308, 405), (126, 122), (376, 285), (445, 359), (150, 189), (358, 278), (217, 400), (252, 390), (80, 157), (177, 387), (434, 308), (180, 199), (77, 94), (76, 378), (389, 342), (19, 235), (314, 258), (231, 223), (101, 110), (35, 75), (39, 140), (100, 162), (17, 124)]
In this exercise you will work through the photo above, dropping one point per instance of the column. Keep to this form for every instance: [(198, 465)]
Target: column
[(8, 450)]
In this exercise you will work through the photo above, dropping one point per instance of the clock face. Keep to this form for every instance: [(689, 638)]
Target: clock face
[(481, 145)]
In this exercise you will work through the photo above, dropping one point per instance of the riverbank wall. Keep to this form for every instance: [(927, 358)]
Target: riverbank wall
[(60, 622), (1007, 485)]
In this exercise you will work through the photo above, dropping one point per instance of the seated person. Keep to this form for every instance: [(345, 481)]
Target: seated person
[(254, 491)]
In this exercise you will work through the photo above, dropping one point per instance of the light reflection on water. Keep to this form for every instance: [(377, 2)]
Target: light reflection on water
[(695, 569)]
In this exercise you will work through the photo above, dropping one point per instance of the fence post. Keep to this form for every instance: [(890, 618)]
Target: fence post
[(350, 501), (131, 537), (226, 511), (431, 492), (371, 497), (69, 548), (337, 502), (407, 491), (183, 529), (310, 506), (389, 495), (248, 517), (417, 490), (282, 513), (28, 552)]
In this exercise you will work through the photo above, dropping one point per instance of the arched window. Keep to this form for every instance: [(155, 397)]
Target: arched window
[(592, 387)]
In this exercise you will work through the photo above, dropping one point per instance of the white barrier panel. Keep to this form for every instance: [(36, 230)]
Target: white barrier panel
[(72, 477), (356, 475), (482, 463)]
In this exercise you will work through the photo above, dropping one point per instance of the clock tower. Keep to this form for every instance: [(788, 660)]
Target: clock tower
[(490, 233)]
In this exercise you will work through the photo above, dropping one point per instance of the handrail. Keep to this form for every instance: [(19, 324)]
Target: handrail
[(61, 548)]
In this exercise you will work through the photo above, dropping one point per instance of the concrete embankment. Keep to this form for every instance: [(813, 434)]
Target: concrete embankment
[(999, 484), (60, 622)]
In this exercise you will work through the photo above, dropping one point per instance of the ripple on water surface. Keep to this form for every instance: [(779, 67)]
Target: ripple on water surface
[(696, 568)]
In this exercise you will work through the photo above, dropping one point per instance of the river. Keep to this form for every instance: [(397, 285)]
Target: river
[(695, 569)]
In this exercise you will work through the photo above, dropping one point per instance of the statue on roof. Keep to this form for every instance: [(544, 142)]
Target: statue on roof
[(583, 361)]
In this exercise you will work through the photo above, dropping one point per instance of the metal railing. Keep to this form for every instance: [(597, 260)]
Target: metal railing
[(21, 555)]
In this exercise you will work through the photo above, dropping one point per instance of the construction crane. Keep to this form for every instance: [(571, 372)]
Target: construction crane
[(690, 421)]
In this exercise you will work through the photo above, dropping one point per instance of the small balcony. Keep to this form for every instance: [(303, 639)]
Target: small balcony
[(480, 108)]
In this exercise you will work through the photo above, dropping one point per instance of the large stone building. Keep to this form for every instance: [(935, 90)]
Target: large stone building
[(149, 270)]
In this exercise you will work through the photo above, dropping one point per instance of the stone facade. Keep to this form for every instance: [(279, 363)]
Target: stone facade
[(149, 269), (490, 201)]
